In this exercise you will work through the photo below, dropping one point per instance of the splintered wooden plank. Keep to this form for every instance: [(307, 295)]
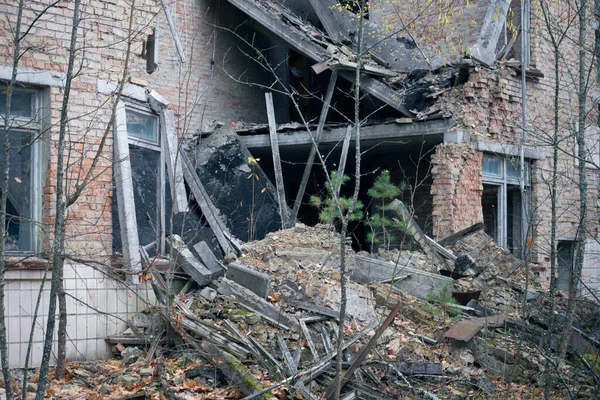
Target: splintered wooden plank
[(174, 168), (251, 301), (283, 209), (124, 186), (207, 207)]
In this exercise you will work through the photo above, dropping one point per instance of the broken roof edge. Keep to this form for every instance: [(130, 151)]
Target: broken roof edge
[(371, 132), (300, 42)]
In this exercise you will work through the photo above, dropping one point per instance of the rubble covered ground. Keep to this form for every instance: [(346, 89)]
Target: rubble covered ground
[(267, 329)]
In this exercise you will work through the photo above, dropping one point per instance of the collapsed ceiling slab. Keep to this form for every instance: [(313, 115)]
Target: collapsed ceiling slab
[(307, 43)]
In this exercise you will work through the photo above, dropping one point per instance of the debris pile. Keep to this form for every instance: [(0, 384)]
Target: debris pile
[(265, 325)]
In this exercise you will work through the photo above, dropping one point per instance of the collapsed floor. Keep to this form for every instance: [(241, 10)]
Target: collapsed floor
[(268, 327)]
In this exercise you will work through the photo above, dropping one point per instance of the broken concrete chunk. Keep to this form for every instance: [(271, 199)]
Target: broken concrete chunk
[(257, 282), (208, 293), (207, 257), (130, 355), (186, 261)]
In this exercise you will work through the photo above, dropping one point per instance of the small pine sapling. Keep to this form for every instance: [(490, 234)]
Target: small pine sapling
[(328, 210), (381, 223)]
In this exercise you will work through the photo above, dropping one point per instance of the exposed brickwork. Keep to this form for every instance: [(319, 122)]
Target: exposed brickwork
[(489, 107), (456, 172)]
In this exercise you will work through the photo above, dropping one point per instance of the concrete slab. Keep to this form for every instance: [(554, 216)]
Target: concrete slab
[(421, 284), (257, 282), (187, 262), (203, 252)]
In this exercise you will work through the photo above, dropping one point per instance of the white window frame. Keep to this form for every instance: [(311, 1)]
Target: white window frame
[(502, 181), (35, 125), (155, 146)]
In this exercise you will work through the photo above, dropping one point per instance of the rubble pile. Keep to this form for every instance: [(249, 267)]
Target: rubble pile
[(268, 328)]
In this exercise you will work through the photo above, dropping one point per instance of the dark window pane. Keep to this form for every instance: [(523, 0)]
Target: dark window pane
[(19, 226), (21, 104), (145, 171)]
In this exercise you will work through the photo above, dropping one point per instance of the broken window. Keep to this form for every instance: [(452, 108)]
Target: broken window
[(148, 175), (23, 206), (502, 201)]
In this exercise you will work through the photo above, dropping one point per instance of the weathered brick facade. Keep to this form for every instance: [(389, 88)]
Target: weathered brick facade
[(200, 91), (456, 172)]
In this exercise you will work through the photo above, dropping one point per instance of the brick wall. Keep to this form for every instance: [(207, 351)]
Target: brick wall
[(489, 107), (200, 91), (456, 188)]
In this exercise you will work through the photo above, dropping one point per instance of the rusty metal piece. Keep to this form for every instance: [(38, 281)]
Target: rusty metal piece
[(360, 356), (465, 330)]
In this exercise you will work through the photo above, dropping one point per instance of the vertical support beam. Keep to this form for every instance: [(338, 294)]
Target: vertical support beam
[(174, 168), (283, 209), (315, 143), (171, 23), (344, 155), (124, 184)]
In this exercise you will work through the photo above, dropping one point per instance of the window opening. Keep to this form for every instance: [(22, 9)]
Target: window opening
[(24, 181), (502, 202), (565, 250), (148, 174)]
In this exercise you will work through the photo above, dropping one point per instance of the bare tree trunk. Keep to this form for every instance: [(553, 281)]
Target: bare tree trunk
[(3, 201), (61, 355), (61, 209), (583, 185), (346, 218)]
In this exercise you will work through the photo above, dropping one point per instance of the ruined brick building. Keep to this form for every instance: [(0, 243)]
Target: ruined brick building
[(442, 107)]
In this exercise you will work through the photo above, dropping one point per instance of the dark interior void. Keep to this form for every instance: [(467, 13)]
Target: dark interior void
[(191, 226), (19, 208), (408, 160), (489, 203), (565, 252), (310, 89), (512, 220)]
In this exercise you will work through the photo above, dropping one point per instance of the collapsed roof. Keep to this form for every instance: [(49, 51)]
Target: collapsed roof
[(391, 57)]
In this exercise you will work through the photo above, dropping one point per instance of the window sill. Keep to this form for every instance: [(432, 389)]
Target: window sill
[(26, 263)]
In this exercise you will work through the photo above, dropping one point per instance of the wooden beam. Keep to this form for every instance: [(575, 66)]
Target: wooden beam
[(124, 186), (315, 143), (412, 228), (207, 207), (283, 209), (344, 155), (174, 168)]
